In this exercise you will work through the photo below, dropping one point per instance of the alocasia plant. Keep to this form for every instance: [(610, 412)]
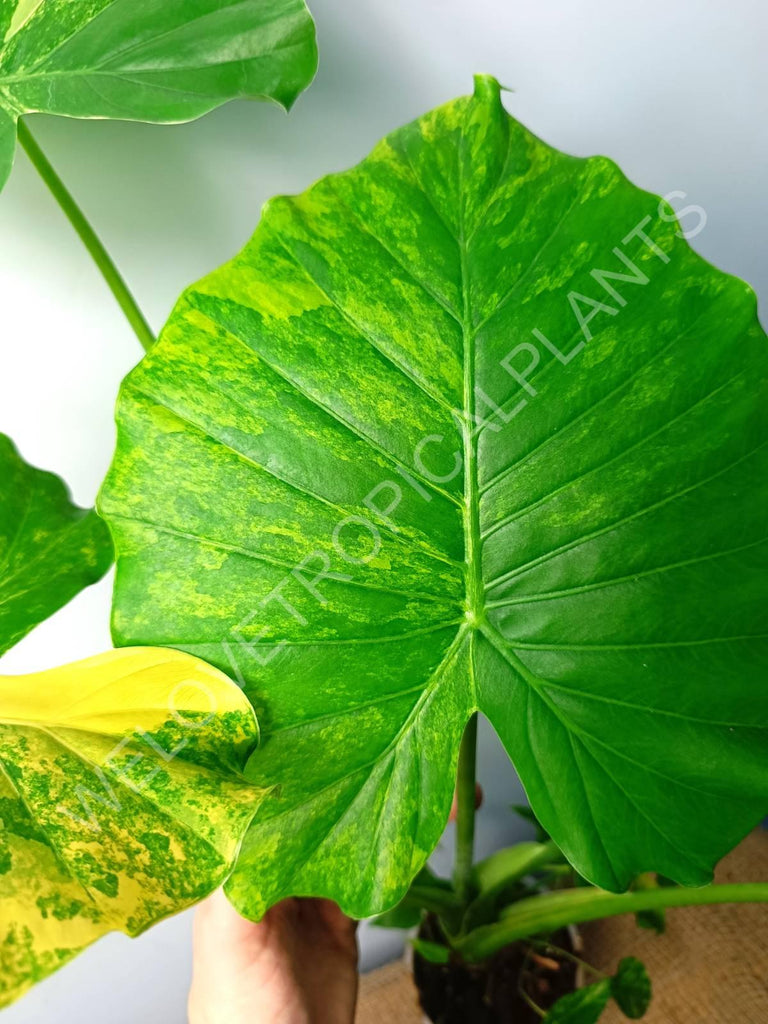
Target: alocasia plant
[(49, 549), (468, 427)]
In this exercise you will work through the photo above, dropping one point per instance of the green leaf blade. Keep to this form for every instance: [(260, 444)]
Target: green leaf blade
[(49, 549), (631, 988), (394, 749), (560, 548), (162, 63), (585, 1006), (433, 952)]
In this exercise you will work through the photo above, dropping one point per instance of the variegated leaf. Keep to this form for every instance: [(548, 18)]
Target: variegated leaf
[(121, 800)]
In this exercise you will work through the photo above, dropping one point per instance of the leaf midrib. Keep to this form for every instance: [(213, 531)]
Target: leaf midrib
[(474, 603), (475, 591)]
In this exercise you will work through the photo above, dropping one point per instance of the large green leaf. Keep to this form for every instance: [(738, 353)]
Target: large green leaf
[(121, 800), (49, 549), (594, 581), (148, 60)]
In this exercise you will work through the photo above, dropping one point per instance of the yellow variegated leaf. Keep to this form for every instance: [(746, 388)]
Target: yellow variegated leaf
[(121, 800)]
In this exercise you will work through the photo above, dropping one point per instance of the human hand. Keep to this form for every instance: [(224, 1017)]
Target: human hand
[(296, 966)]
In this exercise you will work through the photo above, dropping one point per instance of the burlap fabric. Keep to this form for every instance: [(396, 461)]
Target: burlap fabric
[(711, 966)]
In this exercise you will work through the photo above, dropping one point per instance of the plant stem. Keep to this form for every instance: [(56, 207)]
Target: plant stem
[(558, 951), (521, 988), (537, 915), (465, 811), (89, 238), (529, 1002)]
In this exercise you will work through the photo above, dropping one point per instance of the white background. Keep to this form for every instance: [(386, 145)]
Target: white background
[(675, 91)]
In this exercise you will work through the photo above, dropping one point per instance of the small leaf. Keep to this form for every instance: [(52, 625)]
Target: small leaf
[(653, 920), (121, 800), (143, 61), (49, 549), (631, 988), (656, 919), (498, 877), (378, 497), (434, 952), (510, 865), (584, 1006)]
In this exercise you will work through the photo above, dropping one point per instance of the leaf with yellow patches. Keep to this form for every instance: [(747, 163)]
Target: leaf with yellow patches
[(467, 428), (121, 800)]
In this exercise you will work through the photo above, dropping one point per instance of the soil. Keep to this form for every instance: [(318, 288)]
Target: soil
[(488, 993)]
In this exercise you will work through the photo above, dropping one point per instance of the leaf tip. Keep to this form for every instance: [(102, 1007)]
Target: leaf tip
[(488, 89)]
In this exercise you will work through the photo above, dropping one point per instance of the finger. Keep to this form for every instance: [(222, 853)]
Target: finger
[(216, 917), (478, 802)]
